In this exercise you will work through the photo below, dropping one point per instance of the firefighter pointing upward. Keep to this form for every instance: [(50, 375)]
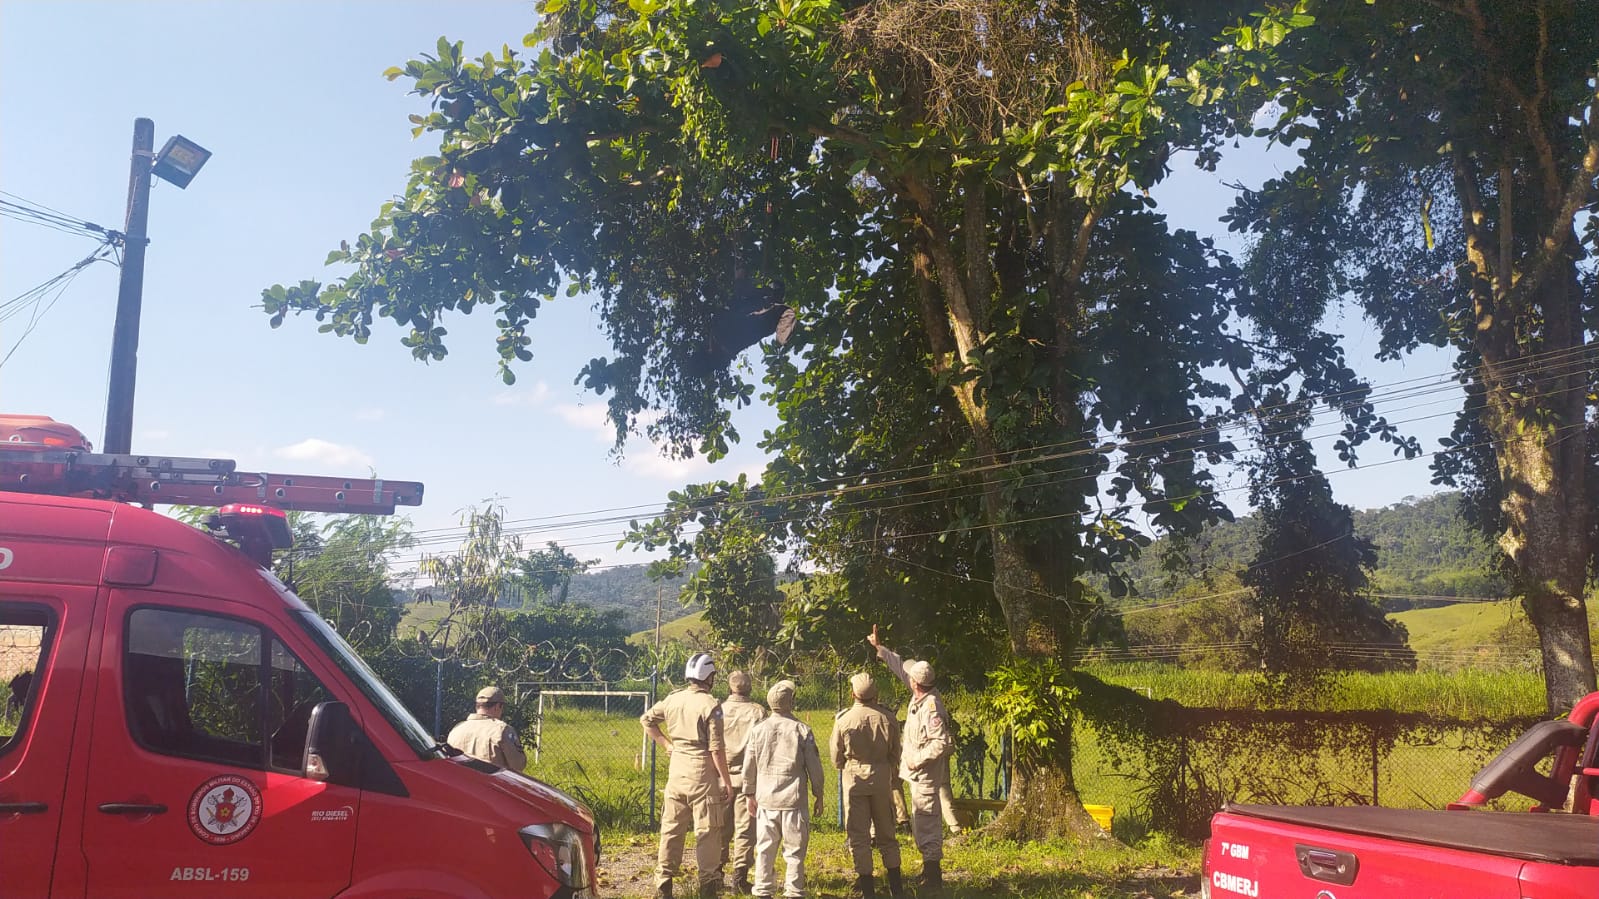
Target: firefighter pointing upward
[(924, 757), (698, 786)]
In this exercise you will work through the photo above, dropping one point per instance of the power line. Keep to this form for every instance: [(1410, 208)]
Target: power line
[(1444, 382), (571, 521), (24, 210), (42, 298)]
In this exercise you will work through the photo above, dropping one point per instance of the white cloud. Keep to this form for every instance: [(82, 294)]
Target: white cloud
[(532, 396), (590, 417), (371, 413), (316, 451)]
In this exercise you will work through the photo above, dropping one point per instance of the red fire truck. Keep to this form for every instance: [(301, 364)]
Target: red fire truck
[(180, 724)]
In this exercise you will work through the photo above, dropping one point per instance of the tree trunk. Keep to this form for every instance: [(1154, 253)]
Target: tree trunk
[(1536, 407), (1032, 584), (1043, 789), (1541, 447)]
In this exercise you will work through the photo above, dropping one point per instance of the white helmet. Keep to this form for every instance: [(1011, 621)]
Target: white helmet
[(699, 667)]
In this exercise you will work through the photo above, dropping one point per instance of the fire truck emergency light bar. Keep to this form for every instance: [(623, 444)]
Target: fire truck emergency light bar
[(63, 466)]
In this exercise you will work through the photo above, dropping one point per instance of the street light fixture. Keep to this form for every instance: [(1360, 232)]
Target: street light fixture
[(180, 160)]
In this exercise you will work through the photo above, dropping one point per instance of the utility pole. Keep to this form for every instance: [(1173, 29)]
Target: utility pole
[(130, 294), (657, 621)]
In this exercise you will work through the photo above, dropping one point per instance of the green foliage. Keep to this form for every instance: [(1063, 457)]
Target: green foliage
[(1464, 695), (546, 574), (1034, 700), (1445, 169), (340, 566), (632, 593), (1309, 575), (972, 248)]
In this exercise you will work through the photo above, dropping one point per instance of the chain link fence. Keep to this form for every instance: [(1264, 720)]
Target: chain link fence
[(593, 746)]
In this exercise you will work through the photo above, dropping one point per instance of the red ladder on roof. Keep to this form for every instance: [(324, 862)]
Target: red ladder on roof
[(38, 455)]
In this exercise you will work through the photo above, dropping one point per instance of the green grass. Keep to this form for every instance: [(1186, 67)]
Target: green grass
[(974, 868), (1468, 694), (1465, 634), (598, 756), (685, 628), (419, 614)]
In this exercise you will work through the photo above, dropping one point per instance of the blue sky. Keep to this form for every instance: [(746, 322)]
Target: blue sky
[(308, 140)]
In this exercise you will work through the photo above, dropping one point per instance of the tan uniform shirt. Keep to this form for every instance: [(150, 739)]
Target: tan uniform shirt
[(693, 722), (927, 743), (780, 758), (739, 714), (865, 746), (490, 739)]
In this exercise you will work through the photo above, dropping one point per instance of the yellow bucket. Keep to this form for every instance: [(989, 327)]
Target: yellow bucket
[(1102, 814)]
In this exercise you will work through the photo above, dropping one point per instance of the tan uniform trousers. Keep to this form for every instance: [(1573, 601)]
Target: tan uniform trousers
[(789, 828), (927, 818), (693, 800), (738, 846), (869, 821)]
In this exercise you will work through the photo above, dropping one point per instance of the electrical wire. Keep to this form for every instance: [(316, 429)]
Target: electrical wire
[(42, 298), (28, 211)]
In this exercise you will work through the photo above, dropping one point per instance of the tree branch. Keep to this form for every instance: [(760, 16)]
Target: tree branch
[(1579, 192)]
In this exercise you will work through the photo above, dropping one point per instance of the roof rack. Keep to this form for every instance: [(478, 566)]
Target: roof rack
[(60, 469)]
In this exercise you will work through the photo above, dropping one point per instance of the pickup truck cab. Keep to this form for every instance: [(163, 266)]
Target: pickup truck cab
[(1368, 852), (178, 723)]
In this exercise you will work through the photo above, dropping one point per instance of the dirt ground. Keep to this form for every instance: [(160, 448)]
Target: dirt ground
[(973, 869)]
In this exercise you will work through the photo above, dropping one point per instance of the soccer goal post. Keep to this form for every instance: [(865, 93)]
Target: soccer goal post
[(538, 722)]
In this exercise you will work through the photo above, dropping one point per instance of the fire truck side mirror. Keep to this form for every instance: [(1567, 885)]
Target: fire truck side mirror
[(330, 744)]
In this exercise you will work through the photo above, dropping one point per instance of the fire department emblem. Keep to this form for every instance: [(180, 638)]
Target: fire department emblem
[(224, 809)]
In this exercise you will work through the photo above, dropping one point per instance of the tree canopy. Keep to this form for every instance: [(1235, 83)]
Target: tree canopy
[(995, 363), (1449, 151)]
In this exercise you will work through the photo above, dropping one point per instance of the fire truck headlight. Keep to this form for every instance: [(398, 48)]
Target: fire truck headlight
[(561, 852)]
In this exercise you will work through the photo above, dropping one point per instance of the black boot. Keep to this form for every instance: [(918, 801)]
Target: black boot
[(865, 887), (664, 891), (896, 883), (741, 881), (932, 876)]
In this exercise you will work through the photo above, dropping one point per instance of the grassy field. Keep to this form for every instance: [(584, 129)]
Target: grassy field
[(973, 869), (685, 629), (1464, 694), (602, 758)]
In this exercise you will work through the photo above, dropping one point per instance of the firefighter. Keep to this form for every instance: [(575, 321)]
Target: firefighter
[(781, 760), (698, 785), (924, 757), (865, 750), (739, 714), (484, 736)]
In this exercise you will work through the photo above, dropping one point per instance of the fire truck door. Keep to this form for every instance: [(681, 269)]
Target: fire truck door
[(196, 786)]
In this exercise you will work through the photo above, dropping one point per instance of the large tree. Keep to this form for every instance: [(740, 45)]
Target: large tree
[(940, 205), (1448, 154)]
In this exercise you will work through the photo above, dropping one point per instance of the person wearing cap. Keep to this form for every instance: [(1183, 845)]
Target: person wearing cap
[(865, 750), (484, 736), (779, 761), (924, 757), (740, 713), (698, 785)]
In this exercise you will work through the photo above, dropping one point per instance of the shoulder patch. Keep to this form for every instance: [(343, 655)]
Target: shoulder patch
[(716, 711)]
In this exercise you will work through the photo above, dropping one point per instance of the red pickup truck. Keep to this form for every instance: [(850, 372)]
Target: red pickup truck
[(1368, 852)]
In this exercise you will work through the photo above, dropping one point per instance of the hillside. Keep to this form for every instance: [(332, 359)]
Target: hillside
[(1424, 548), (628, 588)]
